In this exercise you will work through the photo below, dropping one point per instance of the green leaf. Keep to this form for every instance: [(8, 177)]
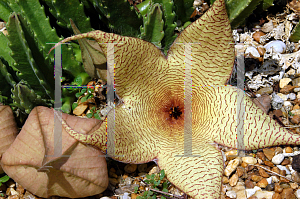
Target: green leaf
[(266, 4), (163, 197), (152, 30), (5, 11), (184, 9), (162, 174), (136, 189), (74, 105), (295, 36), (165, 190), (239, 10), (89, 115), (83, 99)]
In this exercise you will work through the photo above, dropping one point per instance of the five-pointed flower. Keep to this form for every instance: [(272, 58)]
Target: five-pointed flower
[(151, 122)]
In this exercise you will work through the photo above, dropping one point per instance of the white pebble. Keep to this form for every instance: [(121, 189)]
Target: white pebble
[(253, 51), (278, 46), (277, 159), (250, 192), (282, 96), (284, 168), (284, 81), (292, 96), (296, 90), (297, 193), (287, 103), (270, 179), (231, 194), (275, 179)]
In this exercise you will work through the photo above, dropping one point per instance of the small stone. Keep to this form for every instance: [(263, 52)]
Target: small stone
[(277, 159), (256, 36), (285, 185), (276, 170), (225, 180), (296, 82), (296, 163), (231, 167), (277, 46), (79, 110), (292, 96), (154, 170), (297, 193), (283, 168), (294, 185), (244, 164), (296, 90), (284, 81), (295, 119), (270, 187), (288, 194), (130, 168), (275, 179), (261, 155), (252, 52), (288, 150), (283, 96), (278, 150), (13, 197), (240, 171), (233, 180), (256, 178), (276, 196), (231, 194), (249, 184), (29, 195), (232, 154), (20, 189), (249, 160), (241, 194), (262, 183), (264, 194), (134, 195), (263, 173), (287, 89), (278, 188), (269, 153), (268, 163), (265, 90), (296, 107), (285, 162), (296, 177)]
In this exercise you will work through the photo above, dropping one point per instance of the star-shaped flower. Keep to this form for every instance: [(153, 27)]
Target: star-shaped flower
[(152, 122)]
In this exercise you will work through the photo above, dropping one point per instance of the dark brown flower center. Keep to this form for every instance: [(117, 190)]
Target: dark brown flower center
[(175, 112)]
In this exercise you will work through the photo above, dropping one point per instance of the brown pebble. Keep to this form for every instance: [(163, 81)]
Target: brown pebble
[(288, 150), (285, 162), (276, 196), (244, 164), (134, 195), (278, 150), (20, 189), (256, 178), (233, 180), (261, 50), (269, 153), (288, 194), (268, 163), (249, 184), (278, 188), (296, 107), (295, 119), (287, 89), (296, 163), (240, 171), (261, 155), (275, 169), (285, 185), (262, 183), (263, 173), (252, 197), (225, 180), (294, 185), (256, 36), (278, 113), (249, 168)]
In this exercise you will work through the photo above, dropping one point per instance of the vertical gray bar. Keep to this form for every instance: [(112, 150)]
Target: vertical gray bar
[(57, 102), (110, 101), (188, 100), (240, 96)]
